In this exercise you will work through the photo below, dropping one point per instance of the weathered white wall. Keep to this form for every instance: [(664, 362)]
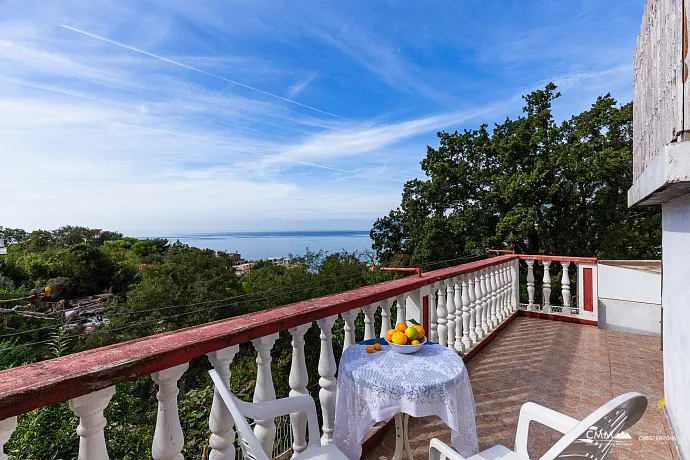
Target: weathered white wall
[(676, 302), (629, 300)]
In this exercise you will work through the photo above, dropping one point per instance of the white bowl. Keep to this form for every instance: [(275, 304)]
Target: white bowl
[(406, 349)]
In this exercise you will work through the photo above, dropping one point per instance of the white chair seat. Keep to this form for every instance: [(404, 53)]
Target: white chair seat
[(498, 453), (321, 453)]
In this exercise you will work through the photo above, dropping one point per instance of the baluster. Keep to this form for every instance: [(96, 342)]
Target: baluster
[(494, 300), (450, 308), (7, 427), (466, 314), (369, 310), (442, 320), (265, 430), (546, 289), (511, 304), (349, 318), (475, 311), (486, 326), (385, 317), (565, 287), (433, 317), (89, 408), (168, 439), (401, 316), (530, 284), (220, 421), (504, 292), (298, 380), (499, 295), (327, 382), (459, 315)]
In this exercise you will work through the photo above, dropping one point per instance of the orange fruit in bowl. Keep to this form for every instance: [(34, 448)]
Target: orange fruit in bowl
[(370, 349), (377, 346), (420, 331), (401, 327), (399, 338), (415, 342), (389, 337), (390, 332)]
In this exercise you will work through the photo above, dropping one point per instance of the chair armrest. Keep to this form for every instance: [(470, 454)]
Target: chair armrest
[(291, 405), (438, 448), (531, 412)]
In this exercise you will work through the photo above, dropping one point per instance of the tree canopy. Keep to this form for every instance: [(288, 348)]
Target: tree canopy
[(531, 184)]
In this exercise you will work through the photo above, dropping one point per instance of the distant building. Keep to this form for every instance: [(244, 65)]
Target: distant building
[(281, 260), (244, 269)]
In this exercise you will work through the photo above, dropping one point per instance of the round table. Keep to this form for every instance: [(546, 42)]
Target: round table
[(374, 387)]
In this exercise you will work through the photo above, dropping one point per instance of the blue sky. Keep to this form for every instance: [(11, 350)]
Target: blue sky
[(180, 116)]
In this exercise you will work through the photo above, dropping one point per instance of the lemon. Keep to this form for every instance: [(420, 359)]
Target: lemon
[(412, 333), (399, 338), (401, 327), (415, 342)]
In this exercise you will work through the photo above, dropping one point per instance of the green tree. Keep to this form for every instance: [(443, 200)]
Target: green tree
[(530, 184), (88, 269)]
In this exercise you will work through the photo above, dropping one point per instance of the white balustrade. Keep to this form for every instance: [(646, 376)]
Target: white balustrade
[(450, 308), (486, 327), (530, 284), (433, 318), (401, 316), (220, 421), (327, 382), (265, 430), (499, 293), (459, 315), (385, 317), (442, 316), (349, 318), (494, 297), (476, 333), (466, 314), (506, 304), (546, 287), (7, 427), (565, 288), (89, 408), (298, 381), (369, 310), (168, 439)]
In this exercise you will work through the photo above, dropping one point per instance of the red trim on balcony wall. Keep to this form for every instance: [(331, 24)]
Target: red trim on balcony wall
[(25, 388), (425, 313), (565, 319), (587, 289), (580, 260)]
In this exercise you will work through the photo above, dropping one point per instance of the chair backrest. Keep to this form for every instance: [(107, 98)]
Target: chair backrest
[(251, 447), (593, 437)]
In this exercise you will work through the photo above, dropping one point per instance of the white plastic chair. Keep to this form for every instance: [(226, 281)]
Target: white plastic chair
[(251, 447), (590, 438)]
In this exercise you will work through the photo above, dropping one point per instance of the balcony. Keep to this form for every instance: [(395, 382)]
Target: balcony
[(540, 351)]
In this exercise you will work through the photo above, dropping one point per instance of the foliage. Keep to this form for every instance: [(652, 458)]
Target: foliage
[(531, 185)]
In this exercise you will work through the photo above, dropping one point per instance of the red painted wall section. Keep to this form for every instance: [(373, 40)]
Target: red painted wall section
[(587, 287), (425, 313)]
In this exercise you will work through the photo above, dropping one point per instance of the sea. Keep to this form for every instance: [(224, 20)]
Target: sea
[(262, 245)]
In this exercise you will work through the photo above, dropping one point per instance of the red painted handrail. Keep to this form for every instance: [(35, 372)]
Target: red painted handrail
[(418, 271), (29, 387)]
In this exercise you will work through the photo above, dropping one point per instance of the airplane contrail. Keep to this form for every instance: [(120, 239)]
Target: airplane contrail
[(194, 69)]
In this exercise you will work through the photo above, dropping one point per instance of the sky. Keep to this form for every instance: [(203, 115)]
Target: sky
[(190, 116)]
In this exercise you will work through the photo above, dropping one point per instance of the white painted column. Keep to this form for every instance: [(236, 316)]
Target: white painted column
[(385, 317), (442, 319), (504, 293), (546, 289), (476, 332), (298, 380), (467, 325), (433, 316), (530, 285), (499, 293), (369, 310), (565, 288), (401, 315), (7, 427), (349, 318), (220, 421), (327, 382), (486, 327), (450, 308), (168, 439), (459, 314), (265, 430), (494, 297), (89, 408)]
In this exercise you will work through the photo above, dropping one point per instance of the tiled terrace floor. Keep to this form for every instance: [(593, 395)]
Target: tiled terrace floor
[(567, 367)]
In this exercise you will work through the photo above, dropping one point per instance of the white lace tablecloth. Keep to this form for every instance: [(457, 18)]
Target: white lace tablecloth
[(375, 387)]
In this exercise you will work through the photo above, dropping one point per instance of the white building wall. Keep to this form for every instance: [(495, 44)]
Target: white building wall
[(676, 303)]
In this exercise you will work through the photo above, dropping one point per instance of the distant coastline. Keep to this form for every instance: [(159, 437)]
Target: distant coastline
[(262, 245)]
